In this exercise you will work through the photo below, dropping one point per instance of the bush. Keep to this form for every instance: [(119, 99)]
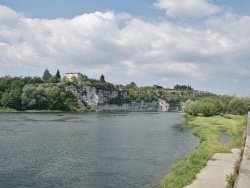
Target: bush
[(237, 106), (207, 109)]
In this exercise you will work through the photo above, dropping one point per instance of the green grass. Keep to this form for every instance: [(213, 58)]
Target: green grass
[(7, 110), (208, 130), (4, 109)]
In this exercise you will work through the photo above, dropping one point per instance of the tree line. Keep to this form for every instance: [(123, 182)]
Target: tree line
[(217, 105), (35, 93), (49, 93), (183, 87)]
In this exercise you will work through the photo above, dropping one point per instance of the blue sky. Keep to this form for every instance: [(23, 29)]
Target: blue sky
[(202, 43)]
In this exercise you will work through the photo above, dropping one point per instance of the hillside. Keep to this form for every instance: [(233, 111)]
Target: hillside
[(77, 92)]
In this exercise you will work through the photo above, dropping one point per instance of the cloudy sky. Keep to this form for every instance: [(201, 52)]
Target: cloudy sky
[(203, 43)]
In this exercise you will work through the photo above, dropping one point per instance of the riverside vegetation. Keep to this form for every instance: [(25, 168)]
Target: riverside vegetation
[(208, 129)]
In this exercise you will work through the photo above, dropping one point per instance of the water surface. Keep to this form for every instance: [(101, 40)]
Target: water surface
[(90, 150)]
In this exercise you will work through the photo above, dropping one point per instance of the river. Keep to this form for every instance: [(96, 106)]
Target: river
[(90, 150)]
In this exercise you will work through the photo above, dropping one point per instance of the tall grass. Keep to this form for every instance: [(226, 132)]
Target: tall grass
[(208, 129)]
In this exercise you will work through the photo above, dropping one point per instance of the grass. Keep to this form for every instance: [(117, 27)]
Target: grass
[(3, 109), (7, 110), (208, 129)]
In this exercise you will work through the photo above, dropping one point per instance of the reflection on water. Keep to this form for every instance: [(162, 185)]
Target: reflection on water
[(224, 138), (115, 149)]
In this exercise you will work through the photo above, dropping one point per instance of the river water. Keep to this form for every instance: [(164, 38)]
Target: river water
[(90, 150)]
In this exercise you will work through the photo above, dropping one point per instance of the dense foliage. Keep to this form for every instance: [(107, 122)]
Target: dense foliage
[(31, 93), (149, 94), (136, 94), (183, 87), (217, 105)]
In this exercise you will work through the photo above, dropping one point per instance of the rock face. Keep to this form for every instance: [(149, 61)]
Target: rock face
[(99, 99), (155, 106), (93, 96)]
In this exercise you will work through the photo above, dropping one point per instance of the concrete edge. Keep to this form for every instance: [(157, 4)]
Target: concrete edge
[(243, 179)]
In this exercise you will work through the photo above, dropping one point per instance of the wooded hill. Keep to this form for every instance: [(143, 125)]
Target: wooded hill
[(50, 93)]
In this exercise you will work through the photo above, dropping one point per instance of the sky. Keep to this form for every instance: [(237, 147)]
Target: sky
[(202, 43)]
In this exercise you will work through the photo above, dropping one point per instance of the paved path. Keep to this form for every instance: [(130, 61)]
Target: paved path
[(243, 179), (216, 170)]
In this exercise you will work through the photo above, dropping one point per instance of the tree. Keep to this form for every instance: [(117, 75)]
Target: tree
[(58, 74), (18, 83), (237, 106), (54, 79), (11, 98), (28, 80), (132, 85), (183, 87), (46, 75), (33, 97), (5, 83), (207, 109), (37, 80), (59, 99), (85, 78)]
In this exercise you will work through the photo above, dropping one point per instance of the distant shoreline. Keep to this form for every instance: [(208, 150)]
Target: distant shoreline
[(32, 111)]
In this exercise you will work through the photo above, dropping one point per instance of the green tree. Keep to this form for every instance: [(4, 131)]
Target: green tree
[(237, 106), (85, 78), (132, 85), (214, 105), (28, 80), (37, 80), (1, 95), (192, 107), (54, 79), (5, 101), (60, 99), (5, 83), (207, 109), (58, 74), (46, 75), (11, 98), (18, 83), (33, 97)]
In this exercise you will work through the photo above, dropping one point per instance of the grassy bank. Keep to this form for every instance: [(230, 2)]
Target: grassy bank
[(8, 110), (208, 129), (2, 109)]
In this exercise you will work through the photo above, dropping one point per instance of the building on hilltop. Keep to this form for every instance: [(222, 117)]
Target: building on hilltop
[(70, 75)]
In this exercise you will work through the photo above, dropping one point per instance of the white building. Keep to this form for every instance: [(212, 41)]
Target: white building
[(70, 75)]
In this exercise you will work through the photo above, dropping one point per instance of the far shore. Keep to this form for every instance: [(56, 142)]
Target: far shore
[(32, 111)]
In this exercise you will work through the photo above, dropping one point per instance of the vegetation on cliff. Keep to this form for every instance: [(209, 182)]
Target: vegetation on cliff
[(51, 93)]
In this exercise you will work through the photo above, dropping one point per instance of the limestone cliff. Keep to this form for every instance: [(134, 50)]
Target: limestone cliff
[(155, 106), (99, 97)]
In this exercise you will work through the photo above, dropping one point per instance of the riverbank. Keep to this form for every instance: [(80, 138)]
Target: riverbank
[(9, 110), (208, 129)]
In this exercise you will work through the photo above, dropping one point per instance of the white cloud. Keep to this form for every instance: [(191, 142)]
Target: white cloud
[(96, 43), (186, 9)]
